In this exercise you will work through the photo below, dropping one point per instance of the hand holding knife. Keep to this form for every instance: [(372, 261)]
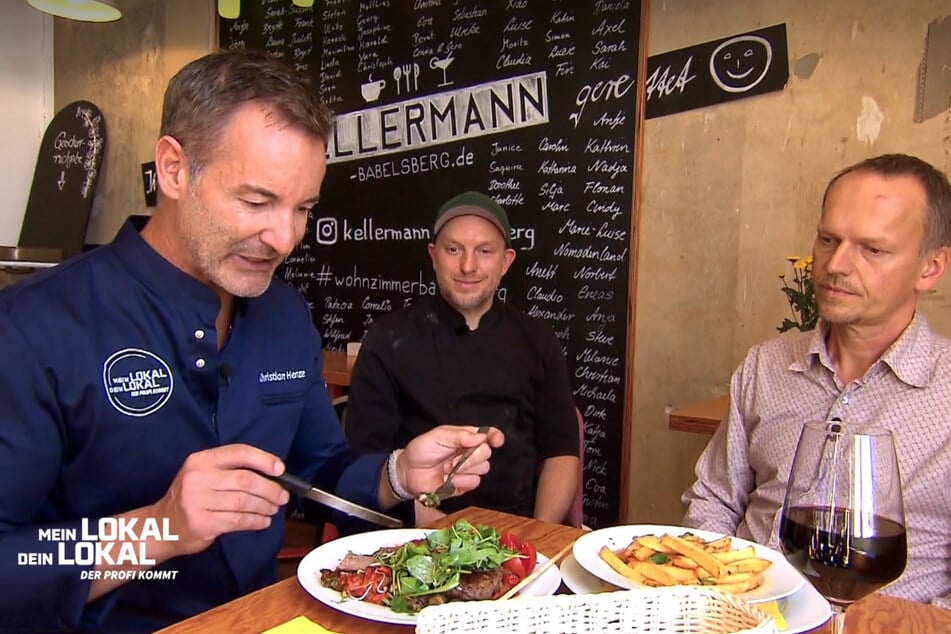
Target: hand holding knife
[(303, 488)]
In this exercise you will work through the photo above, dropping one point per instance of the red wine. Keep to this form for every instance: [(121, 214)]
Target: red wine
[(842, 565)]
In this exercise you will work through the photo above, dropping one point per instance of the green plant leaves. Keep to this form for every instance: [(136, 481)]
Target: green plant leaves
[(436, 563)]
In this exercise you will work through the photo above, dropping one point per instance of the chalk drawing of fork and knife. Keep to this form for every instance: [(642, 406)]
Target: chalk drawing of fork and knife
[(409, 72)]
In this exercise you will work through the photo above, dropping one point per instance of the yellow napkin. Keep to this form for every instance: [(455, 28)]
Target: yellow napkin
[(771, 608), (299, 625)]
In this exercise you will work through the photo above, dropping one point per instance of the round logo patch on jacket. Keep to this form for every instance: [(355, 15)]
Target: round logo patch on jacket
[(137, 382)]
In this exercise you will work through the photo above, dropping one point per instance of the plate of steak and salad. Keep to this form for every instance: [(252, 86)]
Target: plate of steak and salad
[(390, 575)]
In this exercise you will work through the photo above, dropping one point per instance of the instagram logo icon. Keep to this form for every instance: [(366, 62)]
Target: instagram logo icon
[(325, 230)]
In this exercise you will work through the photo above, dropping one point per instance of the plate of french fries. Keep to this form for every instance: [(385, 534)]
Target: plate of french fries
[(650, 555)]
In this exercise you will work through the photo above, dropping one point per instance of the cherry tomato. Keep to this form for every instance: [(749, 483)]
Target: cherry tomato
[(523, 565)]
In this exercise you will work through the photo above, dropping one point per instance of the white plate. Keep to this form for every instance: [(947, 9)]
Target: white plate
[(803, 610), (779, 581), (330, 554), (580, 581)]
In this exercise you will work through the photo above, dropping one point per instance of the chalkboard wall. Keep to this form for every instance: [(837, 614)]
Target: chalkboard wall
[(531, 101)]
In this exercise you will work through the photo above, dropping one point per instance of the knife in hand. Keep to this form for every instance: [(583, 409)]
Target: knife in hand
[(303, 488)]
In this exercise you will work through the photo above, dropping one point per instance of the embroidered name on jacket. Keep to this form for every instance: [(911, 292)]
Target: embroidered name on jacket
[(137, 382), (285, 375)]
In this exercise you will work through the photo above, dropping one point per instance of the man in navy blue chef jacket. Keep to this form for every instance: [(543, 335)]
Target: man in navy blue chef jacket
[(145, 383)]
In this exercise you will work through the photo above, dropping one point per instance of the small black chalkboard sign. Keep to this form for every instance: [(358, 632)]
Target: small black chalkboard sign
[(718, 71), (67, 168)]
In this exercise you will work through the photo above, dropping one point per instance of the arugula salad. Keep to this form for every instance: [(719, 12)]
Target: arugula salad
[(459, 563)]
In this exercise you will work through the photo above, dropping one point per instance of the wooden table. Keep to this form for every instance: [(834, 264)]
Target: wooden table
[(703, 418), (337, 368), (285, 600)]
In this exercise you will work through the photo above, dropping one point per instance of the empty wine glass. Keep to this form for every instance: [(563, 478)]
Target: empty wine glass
[(843, 519)]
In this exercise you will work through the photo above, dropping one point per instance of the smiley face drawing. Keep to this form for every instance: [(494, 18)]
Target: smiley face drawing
[(741, 62)]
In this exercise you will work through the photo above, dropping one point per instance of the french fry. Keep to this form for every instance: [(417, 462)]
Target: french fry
[(735, 555), (654, 543), (682, 561), (721, 545), (698, 554), (655, 572), (619, 566), (754, 564)]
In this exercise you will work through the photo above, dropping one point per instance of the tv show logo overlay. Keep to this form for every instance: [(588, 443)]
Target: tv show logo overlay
[(137, 382), (110, 541)]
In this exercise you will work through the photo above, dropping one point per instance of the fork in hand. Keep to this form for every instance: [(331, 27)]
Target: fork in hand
[(432, 500)]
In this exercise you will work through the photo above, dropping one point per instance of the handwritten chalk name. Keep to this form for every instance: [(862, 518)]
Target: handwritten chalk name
[(595, 274), (590, 253), (550, 190), (595, 294), (593, 432), (604, 377), (332, 303), (612, 168), (573, 228), (606, 146), (545, 295), (511, 61), (499, 148), (549, 315), (598, 187), (509, 44), (558, 51), (468, 14), (556, 206), (598, 317), (611, 208), (552, 167), (598, 336), (503, 169), (547, 145), (613, 121), (508, 184), (383, 305), (592, 412), (517, 24), (598, 467), (542, 273), (331, 319), (603, 6), (589, 355), (511, 200), (595, 393), (609, 28)]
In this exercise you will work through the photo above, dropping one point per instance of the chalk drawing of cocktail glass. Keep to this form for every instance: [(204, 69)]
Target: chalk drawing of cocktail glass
[(442, 64)]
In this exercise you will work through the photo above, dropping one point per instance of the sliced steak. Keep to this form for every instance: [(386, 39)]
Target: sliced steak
[(354, 562), (477, 586)]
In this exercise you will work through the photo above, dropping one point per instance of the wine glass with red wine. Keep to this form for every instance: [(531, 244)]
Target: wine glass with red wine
[(843, 520)]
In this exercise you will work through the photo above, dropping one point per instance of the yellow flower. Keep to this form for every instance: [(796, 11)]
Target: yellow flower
[(800, 295), (801, 263)]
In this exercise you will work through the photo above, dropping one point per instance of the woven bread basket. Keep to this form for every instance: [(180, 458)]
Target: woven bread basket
[(679, 610)]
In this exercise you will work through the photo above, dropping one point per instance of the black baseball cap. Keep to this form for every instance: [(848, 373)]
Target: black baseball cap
[(475, 204)]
